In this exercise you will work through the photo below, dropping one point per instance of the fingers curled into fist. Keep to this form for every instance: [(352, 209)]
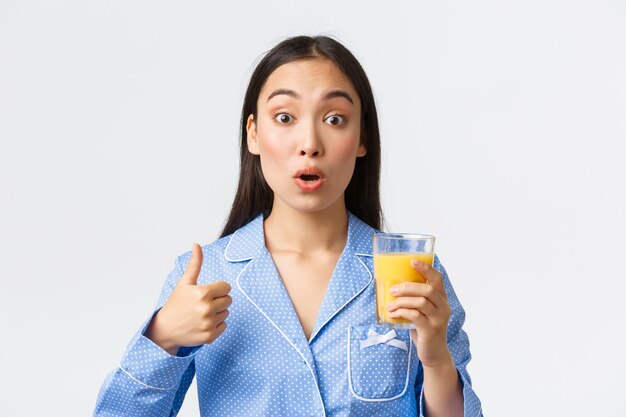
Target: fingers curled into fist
[(193, 314)]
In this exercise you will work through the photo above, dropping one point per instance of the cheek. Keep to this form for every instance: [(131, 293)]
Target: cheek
[(274, 156), (345, 159), (273, 150), (346, 150), (346, 147), (272, 146)]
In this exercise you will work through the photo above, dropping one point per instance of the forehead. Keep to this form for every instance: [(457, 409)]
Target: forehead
[(308, 76)]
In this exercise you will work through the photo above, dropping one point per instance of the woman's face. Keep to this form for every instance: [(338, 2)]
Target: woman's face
[(307, 133)]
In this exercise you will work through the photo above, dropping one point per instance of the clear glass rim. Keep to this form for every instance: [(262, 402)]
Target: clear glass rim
[(403, 236)]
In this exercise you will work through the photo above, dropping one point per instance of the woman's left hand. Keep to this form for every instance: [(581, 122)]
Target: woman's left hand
[(426, 306)]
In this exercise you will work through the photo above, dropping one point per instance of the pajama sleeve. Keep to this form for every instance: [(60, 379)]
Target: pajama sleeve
[(149, 381), (458, 344)]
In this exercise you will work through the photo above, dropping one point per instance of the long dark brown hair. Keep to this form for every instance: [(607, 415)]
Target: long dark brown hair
[(362, 196)]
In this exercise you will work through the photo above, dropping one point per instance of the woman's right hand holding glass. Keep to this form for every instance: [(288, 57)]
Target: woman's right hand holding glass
[(194, 314)]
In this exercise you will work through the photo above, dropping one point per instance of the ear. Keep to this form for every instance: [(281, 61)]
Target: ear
[(361, 151), (253, 143)]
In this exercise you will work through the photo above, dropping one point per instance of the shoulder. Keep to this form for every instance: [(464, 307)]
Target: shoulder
[(360, 235), (211, 252), (215, 267), (226, 254)]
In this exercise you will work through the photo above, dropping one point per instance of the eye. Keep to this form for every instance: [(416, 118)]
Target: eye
[(283, 118), (335, 120)]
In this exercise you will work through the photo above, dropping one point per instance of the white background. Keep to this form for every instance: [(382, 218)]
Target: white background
[(503, 129)]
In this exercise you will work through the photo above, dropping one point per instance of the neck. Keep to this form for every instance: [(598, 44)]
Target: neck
[(288, 229)]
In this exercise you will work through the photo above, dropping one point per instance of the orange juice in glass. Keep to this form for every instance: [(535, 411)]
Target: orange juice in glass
[(393, 253)]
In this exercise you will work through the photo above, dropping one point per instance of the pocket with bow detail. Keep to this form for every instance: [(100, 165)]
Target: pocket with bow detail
[(379, 362)]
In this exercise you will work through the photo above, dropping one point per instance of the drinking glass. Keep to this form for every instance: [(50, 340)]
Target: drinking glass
[(393, 253)]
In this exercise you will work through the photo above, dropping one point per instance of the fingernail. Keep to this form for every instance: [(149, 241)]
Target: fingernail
[(393, 290), (389, 306), (417, 264)]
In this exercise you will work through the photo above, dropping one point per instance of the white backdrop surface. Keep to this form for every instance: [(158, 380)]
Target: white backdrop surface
[(503, 128)]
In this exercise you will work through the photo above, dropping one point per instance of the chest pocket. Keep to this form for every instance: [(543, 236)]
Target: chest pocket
[(379, 362)]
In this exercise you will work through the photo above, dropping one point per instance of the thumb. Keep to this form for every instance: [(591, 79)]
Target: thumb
[(190, 276)]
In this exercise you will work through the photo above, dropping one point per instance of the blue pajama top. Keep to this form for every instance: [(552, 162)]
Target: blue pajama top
[(263, 365)]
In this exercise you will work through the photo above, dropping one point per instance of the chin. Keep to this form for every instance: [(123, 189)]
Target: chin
[(312, 204), (309, 207)]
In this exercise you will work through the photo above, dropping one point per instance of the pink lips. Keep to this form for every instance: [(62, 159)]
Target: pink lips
[(309, 179)]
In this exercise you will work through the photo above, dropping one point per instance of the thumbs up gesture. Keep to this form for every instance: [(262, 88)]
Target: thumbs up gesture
[(194, 314)]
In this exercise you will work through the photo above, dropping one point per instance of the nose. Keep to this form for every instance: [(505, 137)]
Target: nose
[(309, 151), (311, 145)]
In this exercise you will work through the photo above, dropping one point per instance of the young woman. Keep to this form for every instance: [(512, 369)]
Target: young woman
[(270, 317)]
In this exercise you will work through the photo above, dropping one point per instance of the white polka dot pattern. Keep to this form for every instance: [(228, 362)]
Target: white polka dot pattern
[(263, 365), (378, 372)]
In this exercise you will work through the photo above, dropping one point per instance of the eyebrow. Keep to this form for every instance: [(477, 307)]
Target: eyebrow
[(283, 91), (338, 93), (330, 95)]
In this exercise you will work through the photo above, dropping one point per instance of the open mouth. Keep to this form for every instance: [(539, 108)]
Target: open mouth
[(309, 178)]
